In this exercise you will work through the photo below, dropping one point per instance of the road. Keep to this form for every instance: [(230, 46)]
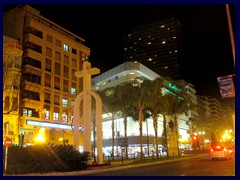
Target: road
[(200, 166)]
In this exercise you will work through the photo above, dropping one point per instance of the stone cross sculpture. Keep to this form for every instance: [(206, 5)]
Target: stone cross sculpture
[(85, 96)]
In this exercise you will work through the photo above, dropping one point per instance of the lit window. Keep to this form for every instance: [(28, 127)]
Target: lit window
[(140, 39), (73, 90), (66, 47), (164, 42), (162, 26), (55, 116), (65, 102), (165, 67), (47, 114), (27, 112), (129, 35), (149, 59), (149, 43), (174, 37), (175, 51)]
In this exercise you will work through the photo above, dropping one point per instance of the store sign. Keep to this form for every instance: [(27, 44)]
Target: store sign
[(226, 86)]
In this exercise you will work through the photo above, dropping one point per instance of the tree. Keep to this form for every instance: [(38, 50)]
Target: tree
[(140, 97), (154, 104), (180, 104), (110, 105), (124, 97)]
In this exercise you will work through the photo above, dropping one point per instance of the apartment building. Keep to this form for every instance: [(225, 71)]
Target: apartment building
[(51, 56)]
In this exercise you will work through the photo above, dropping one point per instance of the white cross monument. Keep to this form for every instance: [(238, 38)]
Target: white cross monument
[(85, 96)]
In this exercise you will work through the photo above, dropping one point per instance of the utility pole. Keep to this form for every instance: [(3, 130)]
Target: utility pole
[(231, 32), (6, 150)]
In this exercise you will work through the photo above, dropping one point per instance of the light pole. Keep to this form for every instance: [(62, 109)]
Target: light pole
[(147, 137), (6, 150)]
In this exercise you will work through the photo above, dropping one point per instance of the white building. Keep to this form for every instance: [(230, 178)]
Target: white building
[(126, 72)]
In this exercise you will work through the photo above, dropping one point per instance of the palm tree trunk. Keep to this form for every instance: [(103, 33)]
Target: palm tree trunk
[(112, 154), (155, 126), (176, 131), (140, 116), (125, 135), (165, 132)]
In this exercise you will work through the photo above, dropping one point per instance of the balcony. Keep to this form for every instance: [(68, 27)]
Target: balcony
[(33, 38)]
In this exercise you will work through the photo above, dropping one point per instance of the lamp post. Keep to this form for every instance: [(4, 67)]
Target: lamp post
[(147, 137), (6, 150)]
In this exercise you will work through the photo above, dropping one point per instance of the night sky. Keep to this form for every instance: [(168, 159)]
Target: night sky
[(207, 50)]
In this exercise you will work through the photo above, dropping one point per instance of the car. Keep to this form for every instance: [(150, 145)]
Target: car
[(220, 152), (231, 151)]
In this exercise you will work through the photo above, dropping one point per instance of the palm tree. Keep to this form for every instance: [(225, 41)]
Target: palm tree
[(124, 96), (164, 108), (180, 103), (140, 97), (110, 105), (154, 104)]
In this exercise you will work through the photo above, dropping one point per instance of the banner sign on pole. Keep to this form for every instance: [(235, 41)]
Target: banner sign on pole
[(226, 86)]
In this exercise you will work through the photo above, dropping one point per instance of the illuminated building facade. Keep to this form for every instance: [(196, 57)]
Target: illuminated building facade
[(12, 58), (157, 46), (128, 72), (51, 56)]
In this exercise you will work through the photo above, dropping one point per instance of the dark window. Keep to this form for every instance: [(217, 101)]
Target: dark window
[(15, 104), (7, 103), (34, 32), (31, 95), (57, 83), (48, 80), (32, 46), (32, 78), (47, 97), (74, 51), (32, 62), (48, 65)]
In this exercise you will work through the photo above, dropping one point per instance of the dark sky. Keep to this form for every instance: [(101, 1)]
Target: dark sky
[(206, 41)]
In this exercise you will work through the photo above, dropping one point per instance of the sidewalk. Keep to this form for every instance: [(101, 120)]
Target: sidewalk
[(92, 170)]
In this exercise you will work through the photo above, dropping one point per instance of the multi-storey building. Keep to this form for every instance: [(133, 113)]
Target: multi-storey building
[(51, 56), (12, 57), (216, 110), (128, 72), (157, 46), (125, 72)]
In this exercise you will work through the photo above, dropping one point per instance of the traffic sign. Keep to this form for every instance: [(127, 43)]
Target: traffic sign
[(8, 142)]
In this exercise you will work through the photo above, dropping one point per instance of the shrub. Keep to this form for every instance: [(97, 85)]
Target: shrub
[(45, 158)]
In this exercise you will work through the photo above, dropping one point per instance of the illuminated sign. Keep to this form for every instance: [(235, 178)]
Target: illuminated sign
[(52, 125), (174, 87), (226, 86)]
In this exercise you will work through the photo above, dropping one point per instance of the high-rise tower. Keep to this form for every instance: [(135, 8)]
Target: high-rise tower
[(157, 46)]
